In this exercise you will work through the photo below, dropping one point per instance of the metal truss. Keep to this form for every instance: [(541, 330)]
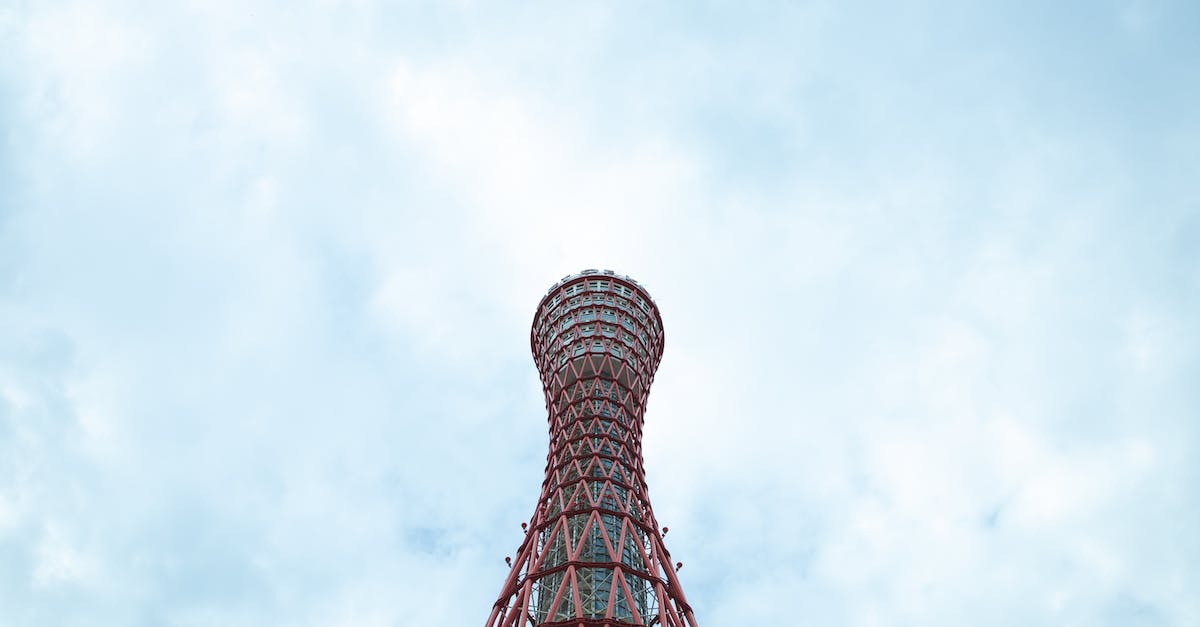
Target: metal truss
[(593, 553)]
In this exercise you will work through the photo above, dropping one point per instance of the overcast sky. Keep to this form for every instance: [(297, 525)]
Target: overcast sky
[(930, 278)]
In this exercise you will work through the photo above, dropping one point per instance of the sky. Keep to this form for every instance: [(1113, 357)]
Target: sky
[(929, 274)]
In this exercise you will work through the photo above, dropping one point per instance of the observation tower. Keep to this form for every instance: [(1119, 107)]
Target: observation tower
[(593, 553)]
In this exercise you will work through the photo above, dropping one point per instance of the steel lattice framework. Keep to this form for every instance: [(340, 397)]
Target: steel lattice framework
[(593, 554)]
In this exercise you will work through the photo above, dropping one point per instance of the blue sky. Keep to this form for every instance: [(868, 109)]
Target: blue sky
[(930, 277)]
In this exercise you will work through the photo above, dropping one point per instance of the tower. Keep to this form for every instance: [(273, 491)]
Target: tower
[(593, 554)]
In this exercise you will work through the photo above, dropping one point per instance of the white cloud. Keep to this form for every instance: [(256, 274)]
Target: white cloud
[(59, 561), (266, 275)]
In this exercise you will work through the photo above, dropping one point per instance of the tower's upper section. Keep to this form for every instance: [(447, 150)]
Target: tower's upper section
[(597, 324), (592, 555)]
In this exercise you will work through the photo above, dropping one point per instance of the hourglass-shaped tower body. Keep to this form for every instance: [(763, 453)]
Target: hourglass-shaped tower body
[(593, 554)]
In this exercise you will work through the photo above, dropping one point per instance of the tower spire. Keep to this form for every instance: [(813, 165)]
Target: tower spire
[(592, 554)]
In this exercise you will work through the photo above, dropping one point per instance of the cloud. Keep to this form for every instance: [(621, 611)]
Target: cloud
[(266, 276)]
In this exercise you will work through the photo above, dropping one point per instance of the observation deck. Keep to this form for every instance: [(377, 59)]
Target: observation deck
[(597, 323)]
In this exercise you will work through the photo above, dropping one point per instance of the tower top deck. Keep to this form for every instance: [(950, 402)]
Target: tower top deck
[(597, 322), (598, 273)]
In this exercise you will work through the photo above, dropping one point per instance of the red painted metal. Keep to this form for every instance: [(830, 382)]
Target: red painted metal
[(592, 553)]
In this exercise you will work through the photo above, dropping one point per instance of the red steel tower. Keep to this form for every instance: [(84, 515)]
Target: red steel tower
[(593, 554)]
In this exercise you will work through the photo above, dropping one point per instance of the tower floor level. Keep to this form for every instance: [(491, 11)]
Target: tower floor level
[(593, 553)]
